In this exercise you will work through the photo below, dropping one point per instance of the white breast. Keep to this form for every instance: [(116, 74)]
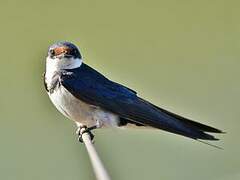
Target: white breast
[(81, 112)]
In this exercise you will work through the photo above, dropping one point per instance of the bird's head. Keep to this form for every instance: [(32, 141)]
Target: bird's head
[(63, 55)]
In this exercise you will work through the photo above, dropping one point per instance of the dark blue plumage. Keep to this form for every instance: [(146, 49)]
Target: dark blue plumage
[(93, 88)]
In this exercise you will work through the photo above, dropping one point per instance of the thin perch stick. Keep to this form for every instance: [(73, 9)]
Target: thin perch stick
[(100, 171)]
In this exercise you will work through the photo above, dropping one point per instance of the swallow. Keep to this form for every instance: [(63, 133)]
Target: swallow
[(91, 100)]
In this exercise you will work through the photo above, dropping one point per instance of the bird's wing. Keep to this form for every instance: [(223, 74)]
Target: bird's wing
[(90, 86)]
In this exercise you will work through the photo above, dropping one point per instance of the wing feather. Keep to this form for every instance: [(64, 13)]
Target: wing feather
[(93, 88)]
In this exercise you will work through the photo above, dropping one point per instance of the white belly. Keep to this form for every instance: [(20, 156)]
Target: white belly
[(81, 112)]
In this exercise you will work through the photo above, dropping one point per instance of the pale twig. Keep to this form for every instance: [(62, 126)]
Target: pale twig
[(100, 171)]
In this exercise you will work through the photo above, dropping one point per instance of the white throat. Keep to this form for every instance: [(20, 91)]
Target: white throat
[(63, 63), (55, 65)]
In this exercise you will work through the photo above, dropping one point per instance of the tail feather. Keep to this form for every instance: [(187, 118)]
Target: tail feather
[(191, 132), (168, 121), (192, 123)]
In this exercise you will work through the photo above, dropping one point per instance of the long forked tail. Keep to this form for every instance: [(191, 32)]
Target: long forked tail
[(202, 128), (150, 115), (195, 130)]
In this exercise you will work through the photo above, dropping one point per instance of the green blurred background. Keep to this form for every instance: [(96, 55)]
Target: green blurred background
[(181, 55)]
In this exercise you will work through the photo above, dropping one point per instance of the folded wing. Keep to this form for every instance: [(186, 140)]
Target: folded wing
[(93, 88)]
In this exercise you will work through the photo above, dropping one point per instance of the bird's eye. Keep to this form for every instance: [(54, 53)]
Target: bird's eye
[(52, 52), (75, 51)]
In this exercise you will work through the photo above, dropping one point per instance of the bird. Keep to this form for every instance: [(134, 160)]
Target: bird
[(93, 101)]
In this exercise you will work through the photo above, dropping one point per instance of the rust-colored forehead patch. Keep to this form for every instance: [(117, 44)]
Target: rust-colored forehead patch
[(61, 50)]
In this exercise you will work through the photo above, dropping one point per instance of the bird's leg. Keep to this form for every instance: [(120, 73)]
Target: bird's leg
[(84, 129)]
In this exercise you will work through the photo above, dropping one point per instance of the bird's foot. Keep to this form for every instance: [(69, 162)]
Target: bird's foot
[(84, 129)]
